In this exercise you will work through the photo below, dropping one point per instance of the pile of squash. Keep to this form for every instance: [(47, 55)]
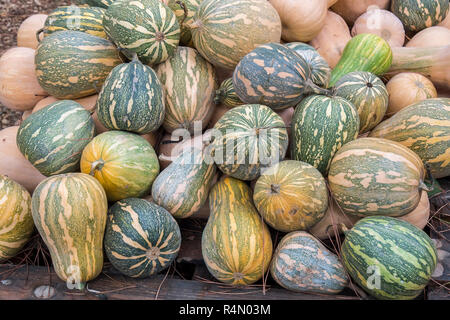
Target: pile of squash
[(300, 118)]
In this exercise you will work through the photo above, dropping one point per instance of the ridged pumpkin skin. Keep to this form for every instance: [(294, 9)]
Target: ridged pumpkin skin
[(302, 264), (402, 255), (273, 75), (189, 83), (96, 3), (182, 188), (75, 18), (131, 99), (53, 138), (364, 52), (423, 127), (250, 137), (124, 163), (69, 211), (16, 221), (226, 95), (74, 64), (141, 238), (320, 126), (417, 15), (236, 243), (191, 7), (368, 94), (373, 176), (291, 195), (225, 31), (147, 27)]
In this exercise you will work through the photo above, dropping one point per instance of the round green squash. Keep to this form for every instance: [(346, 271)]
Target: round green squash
[(69, 211), (374, 176), (226, 95), (301, 263), (368, 94), (185, 11), (389, 258), (124, 163), (131, 99), (74, 64), (141, 238), (53, 138), (320, 126), (147, 27), (16, 221), (248, 139), (96, 3), (291, 195)]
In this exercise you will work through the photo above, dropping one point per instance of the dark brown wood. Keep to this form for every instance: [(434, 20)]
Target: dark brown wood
[(438, 293)]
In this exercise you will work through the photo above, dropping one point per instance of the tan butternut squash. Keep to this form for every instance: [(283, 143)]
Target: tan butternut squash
[(26, 35), (430, 37), (420, 215), (350, 10)]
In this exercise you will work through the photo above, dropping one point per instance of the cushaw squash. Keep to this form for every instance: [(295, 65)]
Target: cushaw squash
[(26, 35), (301, 263), (69, 211), (430, 37), (236, 243), (421, 214), (350, 10), (16, 221)]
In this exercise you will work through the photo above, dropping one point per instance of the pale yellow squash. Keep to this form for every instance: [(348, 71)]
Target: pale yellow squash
[(26, 35)]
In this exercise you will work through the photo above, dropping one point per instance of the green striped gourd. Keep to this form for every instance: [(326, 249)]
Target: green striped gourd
[(368, 94), (364, 52), (226, 94), (291, 195), (75, 18), (147, 27), (185, 18), (141, 238), (53, 138), (374, 176), (320, 70), (417, 15), (69, 211), (301, 263), (225, 31), (236, 243), (320, 126), (389, 258), (275, 76), (96, 3), (423, 127), (182, 188), (74, 64), (250, 138), (124, 163), (16, 221), (131, 99), (189, 83)]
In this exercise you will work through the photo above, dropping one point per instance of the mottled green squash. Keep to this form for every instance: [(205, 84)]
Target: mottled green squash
[(96, 3), (226, 95)]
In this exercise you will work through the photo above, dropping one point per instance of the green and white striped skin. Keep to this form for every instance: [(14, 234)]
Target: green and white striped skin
[(96, 3), (189, 83), (16, 221), (401, 256), (301, 263), (423, 127), (275, 76), (53, 138), (75, 18), (124, 163), (191, 7), (226, 95), (320, 70), (248, 139), (132, 99), (417, 15), (141, 238), (374, 176), (147, 27), (224, 31), (321, 125), (74, 64), (69, 211), (364, 52), (368, 94), (236, 243), (291, 195), (182, 188)]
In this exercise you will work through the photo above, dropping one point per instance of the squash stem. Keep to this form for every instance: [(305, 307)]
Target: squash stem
[(96, 165), (275, 188), (311, 87), (185, 11), (38, 34)]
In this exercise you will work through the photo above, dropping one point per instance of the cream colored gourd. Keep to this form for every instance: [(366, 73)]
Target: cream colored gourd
[(421, 214), (26, 35), (431, 37), (382, 23), (331, 40), (19, 87), (407, 88), (350, 10)]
